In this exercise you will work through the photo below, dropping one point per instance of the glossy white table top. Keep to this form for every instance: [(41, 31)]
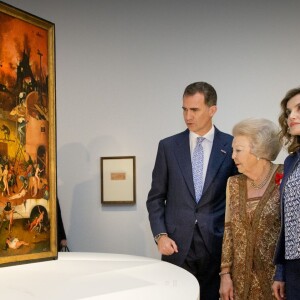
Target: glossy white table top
[(98, 276)]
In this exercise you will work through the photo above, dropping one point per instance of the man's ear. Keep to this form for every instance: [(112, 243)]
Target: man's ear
[(212, 110)]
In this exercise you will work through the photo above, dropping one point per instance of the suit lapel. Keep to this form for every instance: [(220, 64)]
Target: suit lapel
[(219, 152), (288, 171), (183, 156)]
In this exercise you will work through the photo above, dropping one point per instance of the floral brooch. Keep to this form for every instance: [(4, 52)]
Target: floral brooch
[(278, 178)]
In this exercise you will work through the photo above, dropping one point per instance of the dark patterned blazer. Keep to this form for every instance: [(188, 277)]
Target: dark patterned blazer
[(289, 165)]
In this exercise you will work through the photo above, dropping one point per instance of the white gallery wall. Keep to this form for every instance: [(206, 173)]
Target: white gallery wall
[(122, 66)]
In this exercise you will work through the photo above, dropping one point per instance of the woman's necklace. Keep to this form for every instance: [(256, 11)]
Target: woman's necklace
[(264, 181)]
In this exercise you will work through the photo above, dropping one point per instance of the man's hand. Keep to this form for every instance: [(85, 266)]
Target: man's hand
[(63, 243), (278, 288), (166, 246)]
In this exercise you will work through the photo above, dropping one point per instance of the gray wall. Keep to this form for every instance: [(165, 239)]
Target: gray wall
[(121, 69)]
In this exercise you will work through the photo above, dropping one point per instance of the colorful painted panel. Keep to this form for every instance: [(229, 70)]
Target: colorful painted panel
[(27, 138)]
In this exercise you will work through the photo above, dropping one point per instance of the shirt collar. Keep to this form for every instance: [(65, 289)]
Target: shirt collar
[(208, 136)]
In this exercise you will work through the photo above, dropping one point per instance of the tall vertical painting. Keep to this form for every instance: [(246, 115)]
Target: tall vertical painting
[(27, 138)]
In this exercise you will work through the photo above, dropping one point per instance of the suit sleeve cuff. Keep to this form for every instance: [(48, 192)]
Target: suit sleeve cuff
[(279, 273)]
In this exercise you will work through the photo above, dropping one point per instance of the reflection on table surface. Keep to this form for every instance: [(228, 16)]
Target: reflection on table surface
[(104, 276)]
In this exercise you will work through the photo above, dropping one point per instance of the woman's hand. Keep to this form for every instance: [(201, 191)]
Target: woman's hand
[(226, 287), (278, 288)]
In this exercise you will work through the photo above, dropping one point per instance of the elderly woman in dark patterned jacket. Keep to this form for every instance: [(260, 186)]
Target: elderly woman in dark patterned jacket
[(288, 246)]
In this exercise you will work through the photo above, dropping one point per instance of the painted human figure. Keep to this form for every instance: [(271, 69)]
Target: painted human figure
[(6, 131), (37, 221), (5, 180), (37, 173), (15, 243), (7, 214)]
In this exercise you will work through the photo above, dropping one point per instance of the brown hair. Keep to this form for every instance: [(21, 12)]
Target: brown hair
[(208, 91), (292, 142)]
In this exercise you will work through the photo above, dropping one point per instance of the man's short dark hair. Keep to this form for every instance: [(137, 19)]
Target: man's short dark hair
[(208, 91)]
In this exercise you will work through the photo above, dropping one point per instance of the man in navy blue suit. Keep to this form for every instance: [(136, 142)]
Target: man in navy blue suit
[(189, 231)]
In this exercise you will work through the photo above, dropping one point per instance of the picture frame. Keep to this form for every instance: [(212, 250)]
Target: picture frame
[(118, 180), (27, 138)]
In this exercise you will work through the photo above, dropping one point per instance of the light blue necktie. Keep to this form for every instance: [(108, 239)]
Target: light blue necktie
[(197, 166)]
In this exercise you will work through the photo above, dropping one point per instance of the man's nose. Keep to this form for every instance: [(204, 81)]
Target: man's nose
[(188, 115)]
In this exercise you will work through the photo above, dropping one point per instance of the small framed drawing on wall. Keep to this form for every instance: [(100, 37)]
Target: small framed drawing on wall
[(118, 182)]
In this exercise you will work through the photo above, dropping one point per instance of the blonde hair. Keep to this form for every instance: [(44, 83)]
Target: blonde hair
[(263, 135)]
